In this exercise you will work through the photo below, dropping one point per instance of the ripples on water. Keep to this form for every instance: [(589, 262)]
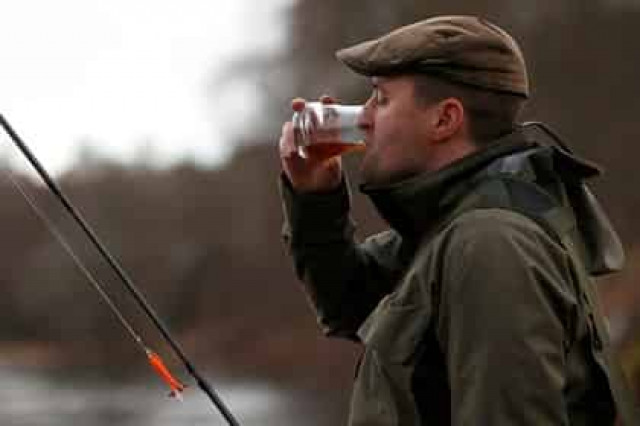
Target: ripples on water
[(29, 399)]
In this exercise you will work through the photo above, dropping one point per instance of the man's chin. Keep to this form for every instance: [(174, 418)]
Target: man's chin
[(370, 174)]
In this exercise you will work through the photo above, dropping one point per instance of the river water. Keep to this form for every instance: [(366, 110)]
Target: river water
[(30, 398)]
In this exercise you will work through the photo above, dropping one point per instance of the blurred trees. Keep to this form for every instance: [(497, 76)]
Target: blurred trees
[(204, 245)]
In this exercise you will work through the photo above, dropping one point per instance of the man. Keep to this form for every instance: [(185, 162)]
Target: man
[(477, 306)]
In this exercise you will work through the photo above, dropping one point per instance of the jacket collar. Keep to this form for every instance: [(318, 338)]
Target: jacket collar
[(419, 205), (416, 205)]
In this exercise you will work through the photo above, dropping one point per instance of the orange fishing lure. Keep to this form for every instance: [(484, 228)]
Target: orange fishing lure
[(158, 365)]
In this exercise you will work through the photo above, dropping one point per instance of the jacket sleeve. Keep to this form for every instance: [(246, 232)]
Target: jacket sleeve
[(505, 301), (343, 279)]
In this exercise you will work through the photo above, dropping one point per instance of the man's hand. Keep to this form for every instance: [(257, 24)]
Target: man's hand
[(307, 174)]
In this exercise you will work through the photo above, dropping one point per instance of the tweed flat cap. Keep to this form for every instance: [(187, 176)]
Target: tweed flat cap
[(462, 49)]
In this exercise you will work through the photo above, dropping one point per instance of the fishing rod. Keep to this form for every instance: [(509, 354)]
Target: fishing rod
[(154, 360)]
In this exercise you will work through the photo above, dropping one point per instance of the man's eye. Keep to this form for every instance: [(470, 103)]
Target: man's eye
[(379, 97)]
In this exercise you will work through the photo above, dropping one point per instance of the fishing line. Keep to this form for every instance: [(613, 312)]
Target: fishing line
[(154, 360), (81, 266)]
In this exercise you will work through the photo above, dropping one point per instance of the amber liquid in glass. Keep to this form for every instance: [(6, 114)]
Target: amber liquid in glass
[(325, 150)]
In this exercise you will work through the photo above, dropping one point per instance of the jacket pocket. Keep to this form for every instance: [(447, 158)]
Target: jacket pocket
[(382, 392), (394, 329)]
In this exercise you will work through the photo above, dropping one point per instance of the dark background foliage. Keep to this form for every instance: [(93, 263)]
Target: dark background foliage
[(204, 244)]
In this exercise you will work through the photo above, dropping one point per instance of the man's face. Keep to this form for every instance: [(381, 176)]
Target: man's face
[(397, 132)]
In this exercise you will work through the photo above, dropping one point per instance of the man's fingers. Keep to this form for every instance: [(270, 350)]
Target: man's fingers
[(326, 99), (287, 143), (297, 104)]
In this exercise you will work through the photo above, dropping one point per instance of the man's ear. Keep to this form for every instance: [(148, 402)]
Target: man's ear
[(449, 119)]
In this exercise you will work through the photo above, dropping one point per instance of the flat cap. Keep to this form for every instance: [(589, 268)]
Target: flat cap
[(462, 49)]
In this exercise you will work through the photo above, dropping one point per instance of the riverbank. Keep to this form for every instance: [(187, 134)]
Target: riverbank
[(29, 397)]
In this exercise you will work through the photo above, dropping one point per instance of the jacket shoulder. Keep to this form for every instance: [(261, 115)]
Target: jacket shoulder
[(485, 226), (495, 219), (499, 227)]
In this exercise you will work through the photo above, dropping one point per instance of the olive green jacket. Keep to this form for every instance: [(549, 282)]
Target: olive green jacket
[(476, 307)]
